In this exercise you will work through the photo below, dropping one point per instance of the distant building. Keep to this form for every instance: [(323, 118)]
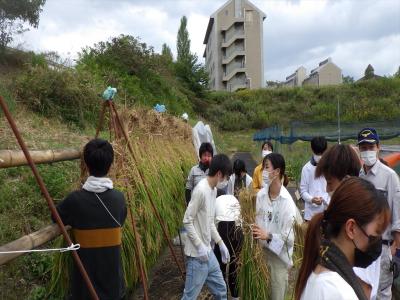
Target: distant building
[(234, 47), (297, 78), (327, 73)]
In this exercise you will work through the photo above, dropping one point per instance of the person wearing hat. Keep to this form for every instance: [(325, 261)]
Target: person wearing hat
[(387, 181)]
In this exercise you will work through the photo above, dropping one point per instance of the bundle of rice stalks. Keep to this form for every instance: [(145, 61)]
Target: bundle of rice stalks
[(299, 238), (164, 162), (254, 277)]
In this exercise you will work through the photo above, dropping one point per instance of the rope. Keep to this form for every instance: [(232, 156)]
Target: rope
[(73, 247), (108, 210)]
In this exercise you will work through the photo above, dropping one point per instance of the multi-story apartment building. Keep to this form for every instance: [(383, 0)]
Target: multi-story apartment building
[(327, 73), (234, 47), (297, 78)]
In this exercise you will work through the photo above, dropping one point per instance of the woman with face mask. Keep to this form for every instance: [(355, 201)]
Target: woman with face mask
[(258, 182), (337, 163), (276, 213), (347, 234)]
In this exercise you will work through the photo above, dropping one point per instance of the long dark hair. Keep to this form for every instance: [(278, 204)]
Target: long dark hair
[(278, 162), (239, 167), (356, 199)]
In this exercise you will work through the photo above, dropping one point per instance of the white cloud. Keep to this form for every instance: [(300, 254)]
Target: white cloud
[(301, 32)]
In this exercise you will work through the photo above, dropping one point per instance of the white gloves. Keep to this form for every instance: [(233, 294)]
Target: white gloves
[(203, 252), (225, 257)]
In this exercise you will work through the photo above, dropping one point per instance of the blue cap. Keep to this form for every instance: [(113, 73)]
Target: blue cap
[(368, 135)]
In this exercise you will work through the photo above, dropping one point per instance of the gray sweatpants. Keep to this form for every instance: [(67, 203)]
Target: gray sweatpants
[(386, 277)]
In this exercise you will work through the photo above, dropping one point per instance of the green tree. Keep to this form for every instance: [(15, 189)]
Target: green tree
[(369, 72), (188, 69), (273, 84), (166, 52), (397, 74), (14, 15), (348, 79), (183, 42)]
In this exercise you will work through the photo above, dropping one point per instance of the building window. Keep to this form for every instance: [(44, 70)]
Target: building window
[(226, 12)]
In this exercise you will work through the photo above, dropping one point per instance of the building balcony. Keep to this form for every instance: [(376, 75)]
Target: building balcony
[(235, 87), (237, 20), (237, 36), (226, 60), (229, 76)]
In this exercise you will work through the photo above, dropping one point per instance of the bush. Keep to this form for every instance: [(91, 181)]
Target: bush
[(363, 101), (65, 93)]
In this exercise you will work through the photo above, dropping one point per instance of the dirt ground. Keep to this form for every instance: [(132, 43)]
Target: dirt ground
[(165, 280)]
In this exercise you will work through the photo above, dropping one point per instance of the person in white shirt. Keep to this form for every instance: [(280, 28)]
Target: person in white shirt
[(312, 188), (239, 179), (386, 180), (201, 263), (227, 219), (347, 234), (276, 213)]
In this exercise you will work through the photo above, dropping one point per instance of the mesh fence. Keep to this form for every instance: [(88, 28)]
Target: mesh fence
[(305, 131)]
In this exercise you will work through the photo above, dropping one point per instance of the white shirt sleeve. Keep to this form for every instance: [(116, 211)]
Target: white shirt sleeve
[(195, 203), (304, 185), (190, 180), (231, 185), (394, 198)]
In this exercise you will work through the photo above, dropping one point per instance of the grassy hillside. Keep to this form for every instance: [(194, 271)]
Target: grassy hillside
[(363, 101)]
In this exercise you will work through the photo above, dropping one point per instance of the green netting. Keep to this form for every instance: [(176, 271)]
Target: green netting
[(305, 131)]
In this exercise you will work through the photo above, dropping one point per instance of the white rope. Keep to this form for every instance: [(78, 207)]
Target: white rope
[(108, 210), (73, 247)]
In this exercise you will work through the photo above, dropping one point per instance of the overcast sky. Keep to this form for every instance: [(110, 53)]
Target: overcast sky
[(353, 32)]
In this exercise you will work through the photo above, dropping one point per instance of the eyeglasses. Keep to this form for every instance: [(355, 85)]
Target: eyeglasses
[(371, 238)]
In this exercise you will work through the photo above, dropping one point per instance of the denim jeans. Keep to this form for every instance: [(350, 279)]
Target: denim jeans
[(198, 273)]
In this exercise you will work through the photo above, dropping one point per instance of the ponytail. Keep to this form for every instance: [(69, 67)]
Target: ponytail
[(285, 180), (310, 253)]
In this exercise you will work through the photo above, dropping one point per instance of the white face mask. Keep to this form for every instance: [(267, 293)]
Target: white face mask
[(264, 153), (265, 177), (369, 157), (317, 158), (222, 184)]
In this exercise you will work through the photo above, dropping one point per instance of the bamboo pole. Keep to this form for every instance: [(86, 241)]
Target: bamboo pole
[(15, 158), (29, 242)]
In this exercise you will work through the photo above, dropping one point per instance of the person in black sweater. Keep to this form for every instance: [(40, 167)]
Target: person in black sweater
[(96, 214)]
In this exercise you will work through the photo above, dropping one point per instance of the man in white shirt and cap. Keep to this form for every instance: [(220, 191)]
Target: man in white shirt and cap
[(386, 180)]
